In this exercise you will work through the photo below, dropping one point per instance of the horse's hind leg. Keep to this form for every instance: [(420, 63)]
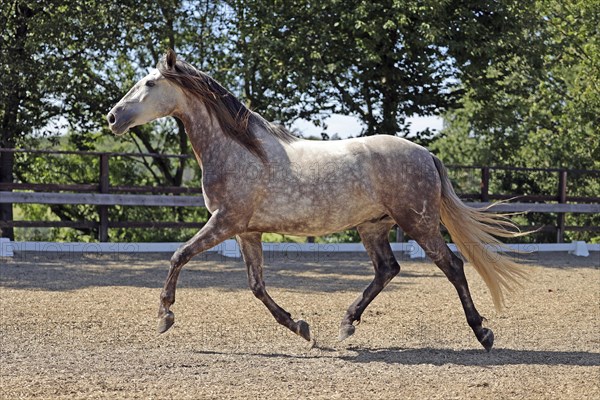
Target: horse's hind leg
[(251, 247), (375, 238), (452, 266)]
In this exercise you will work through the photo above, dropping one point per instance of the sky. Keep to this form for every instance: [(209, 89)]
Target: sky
[(347, 126)]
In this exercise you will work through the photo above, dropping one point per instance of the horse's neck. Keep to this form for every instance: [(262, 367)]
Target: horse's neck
[(215, 151)]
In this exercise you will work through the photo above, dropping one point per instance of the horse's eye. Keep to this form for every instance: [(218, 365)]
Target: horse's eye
[(150, 83)]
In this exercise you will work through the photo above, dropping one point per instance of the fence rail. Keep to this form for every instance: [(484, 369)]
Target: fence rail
[(104, 195)]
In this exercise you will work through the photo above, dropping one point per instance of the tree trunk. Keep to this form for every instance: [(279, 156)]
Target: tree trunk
[(10, 129), (6, 211)]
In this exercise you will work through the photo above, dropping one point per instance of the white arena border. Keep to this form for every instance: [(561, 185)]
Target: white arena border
[(230, 248)]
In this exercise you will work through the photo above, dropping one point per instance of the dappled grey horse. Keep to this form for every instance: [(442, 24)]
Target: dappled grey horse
[(257, 177)]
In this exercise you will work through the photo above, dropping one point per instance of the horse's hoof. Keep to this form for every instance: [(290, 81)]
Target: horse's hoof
[(487, 340), (346, 331), (166, 321), (303, 330)]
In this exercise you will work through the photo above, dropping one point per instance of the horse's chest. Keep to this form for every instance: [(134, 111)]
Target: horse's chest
[(211, 204), (212, 191)]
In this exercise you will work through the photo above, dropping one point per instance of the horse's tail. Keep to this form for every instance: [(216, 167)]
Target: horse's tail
[(473, 231)]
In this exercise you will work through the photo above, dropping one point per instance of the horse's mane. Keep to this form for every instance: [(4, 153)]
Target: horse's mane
[(236, 120)]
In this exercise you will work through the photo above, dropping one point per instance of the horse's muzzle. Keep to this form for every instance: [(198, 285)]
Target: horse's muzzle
[(119, 120)]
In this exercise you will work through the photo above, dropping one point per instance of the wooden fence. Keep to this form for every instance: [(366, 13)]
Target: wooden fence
[(102, 194)]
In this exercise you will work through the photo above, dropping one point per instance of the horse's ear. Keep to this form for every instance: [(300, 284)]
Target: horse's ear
[(171, 59)]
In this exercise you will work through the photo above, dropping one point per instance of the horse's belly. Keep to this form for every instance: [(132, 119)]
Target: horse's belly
[(311, 216)]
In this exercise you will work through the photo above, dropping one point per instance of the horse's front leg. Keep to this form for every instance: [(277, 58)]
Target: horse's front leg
[(218, 228), (251, 247)]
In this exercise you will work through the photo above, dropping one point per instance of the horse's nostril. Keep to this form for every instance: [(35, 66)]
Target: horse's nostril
[(111, 118)]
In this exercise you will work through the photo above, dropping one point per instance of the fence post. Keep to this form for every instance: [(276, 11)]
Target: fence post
[(104, 188), (485, 184), (399, 234), (562, 198), (7, 161)]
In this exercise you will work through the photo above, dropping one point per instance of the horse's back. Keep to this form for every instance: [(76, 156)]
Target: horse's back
[(379, 159)]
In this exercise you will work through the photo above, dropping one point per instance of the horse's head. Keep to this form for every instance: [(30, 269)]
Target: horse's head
[(151, 98)]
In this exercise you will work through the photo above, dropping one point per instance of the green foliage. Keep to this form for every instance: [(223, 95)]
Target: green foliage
[(380, 61), (64, 64), (349, 236), (541, 112)]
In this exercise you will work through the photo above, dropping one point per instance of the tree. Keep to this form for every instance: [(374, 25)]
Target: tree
[(544, 113), (65, 63), (538, 114), (380, 61), (42, 64)]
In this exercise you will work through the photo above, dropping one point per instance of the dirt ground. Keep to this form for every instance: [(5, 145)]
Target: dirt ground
[(84, 326)]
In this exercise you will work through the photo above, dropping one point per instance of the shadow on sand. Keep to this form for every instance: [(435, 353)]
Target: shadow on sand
[(439, 357), (474, 357), (311, 271), (307, 272)]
